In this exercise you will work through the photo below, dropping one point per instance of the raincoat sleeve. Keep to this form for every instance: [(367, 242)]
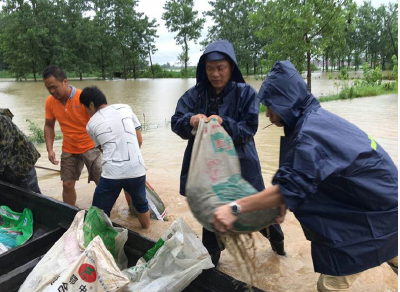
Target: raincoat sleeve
[(304, 167), (180, 121), (245, 127)]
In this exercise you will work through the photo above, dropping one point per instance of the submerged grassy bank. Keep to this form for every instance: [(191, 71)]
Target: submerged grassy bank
[(356, 91), (362, 90)]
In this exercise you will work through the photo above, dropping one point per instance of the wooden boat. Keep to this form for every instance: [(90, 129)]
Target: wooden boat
[(52, 218)]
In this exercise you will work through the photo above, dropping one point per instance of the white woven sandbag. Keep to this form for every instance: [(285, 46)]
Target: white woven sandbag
[(94, 270), (215, 179)]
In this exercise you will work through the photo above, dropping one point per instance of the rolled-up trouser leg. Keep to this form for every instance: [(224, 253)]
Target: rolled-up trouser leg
[(327, 283)]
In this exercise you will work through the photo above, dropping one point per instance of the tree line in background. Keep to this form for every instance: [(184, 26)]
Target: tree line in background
[(109, 36), (82, 36)]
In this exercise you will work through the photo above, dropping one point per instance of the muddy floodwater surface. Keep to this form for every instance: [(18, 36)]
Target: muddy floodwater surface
[(154, 102)]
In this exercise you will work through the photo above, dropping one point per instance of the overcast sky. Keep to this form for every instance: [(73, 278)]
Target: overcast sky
[(168, 50)]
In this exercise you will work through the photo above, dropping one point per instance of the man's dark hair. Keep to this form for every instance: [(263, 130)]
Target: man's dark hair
[(54, 71), (92, 94)]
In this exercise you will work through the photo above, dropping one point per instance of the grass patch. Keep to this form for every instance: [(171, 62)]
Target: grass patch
[(37, 133), (6, 74), (362, 90)]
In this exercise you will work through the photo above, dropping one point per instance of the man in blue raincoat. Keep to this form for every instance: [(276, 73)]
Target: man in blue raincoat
[(337, 180), (221, 92)]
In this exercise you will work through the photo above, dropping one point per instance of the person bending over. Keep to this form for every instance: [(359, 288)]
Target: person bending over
[(116, 129), (338, 181)]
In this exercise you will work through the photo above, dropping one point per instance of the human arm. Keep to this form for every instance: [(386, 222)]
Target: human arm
[(138, 128), (269, 198), (244, 125), (185, 119), (49, 136), (139, 137)]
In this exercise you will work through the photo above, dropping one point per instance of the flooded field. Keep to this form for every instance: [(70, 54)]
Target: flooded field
[(154, 102)]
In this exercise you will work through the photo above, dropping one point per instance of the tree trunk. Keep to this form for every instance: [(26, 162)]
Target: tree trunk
[(134, 70), (34, 71), (186, 55), (391, 39), (151, 63), (309, 70), (327, 60), (80, 76), (103, 70)]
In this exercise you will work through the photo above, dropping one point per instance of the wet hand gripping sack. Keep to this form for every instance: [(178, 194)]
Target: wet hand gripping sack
[(215, 179)]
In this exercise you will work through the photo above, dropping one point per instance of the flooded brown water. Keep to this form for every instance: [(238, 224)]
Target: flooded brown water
[(154, 102)]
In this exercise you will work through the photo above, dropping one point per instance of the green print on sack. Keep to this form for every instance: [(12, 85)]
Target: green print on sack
[(373, 143), (223, 143), (95, 225), (232, 189), (240, 227)]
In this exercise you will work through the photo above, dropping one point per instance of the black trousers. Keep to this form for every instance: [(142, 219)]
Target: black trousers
[(273, 233)]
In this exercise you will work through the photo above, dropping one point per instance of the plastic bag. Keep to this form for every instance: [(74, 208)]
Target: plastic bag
[(114, 238), (15, 229), (215, 179), (172, 264), (156, 205)]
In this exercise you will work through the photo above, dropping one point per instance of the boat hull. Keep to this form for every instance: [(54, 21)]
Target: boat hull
[(52, 218)]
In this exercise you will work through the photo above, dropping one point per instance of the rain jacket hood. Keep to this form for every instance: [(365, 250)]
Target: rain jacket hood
[(285, 92), (221, 46), (337, 180)]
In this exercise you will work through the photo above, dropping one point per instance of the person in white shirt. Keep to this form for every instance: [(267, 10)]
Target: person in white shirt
[(116, 129)]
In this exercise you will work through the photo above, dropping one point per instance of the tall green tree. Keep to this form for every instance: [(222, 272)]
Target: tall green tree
[(232, 22), (180, 17), (390, 18), (368, 25), (76, 33), (150, 34), (25, 35), (106, 54), (291, 29)]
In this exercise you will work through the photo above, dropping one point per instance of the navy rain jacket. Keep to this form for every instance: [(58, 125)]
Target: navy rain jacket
[(239, 112), (339, 183)]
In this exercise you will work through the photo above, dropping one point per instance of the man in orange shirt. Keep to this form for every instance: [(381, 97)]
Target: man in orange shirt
[(77, 149)]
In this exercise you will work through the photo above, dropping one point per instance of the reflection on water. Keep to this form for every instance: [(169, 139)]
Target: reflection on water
[(154, 102)]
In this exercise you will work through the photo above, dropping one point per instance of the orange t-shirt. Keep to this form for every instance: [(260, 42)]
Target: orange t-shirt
[(72, 119)]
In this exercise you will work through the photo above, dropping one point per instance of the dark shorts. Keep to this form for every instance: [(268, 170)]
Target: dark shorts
[(72, 165), (108, 190)]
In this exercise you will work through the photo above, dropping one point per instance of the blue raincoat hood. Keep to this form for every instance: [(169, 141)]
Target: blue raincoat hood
[(285, 92), (221, 46)]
